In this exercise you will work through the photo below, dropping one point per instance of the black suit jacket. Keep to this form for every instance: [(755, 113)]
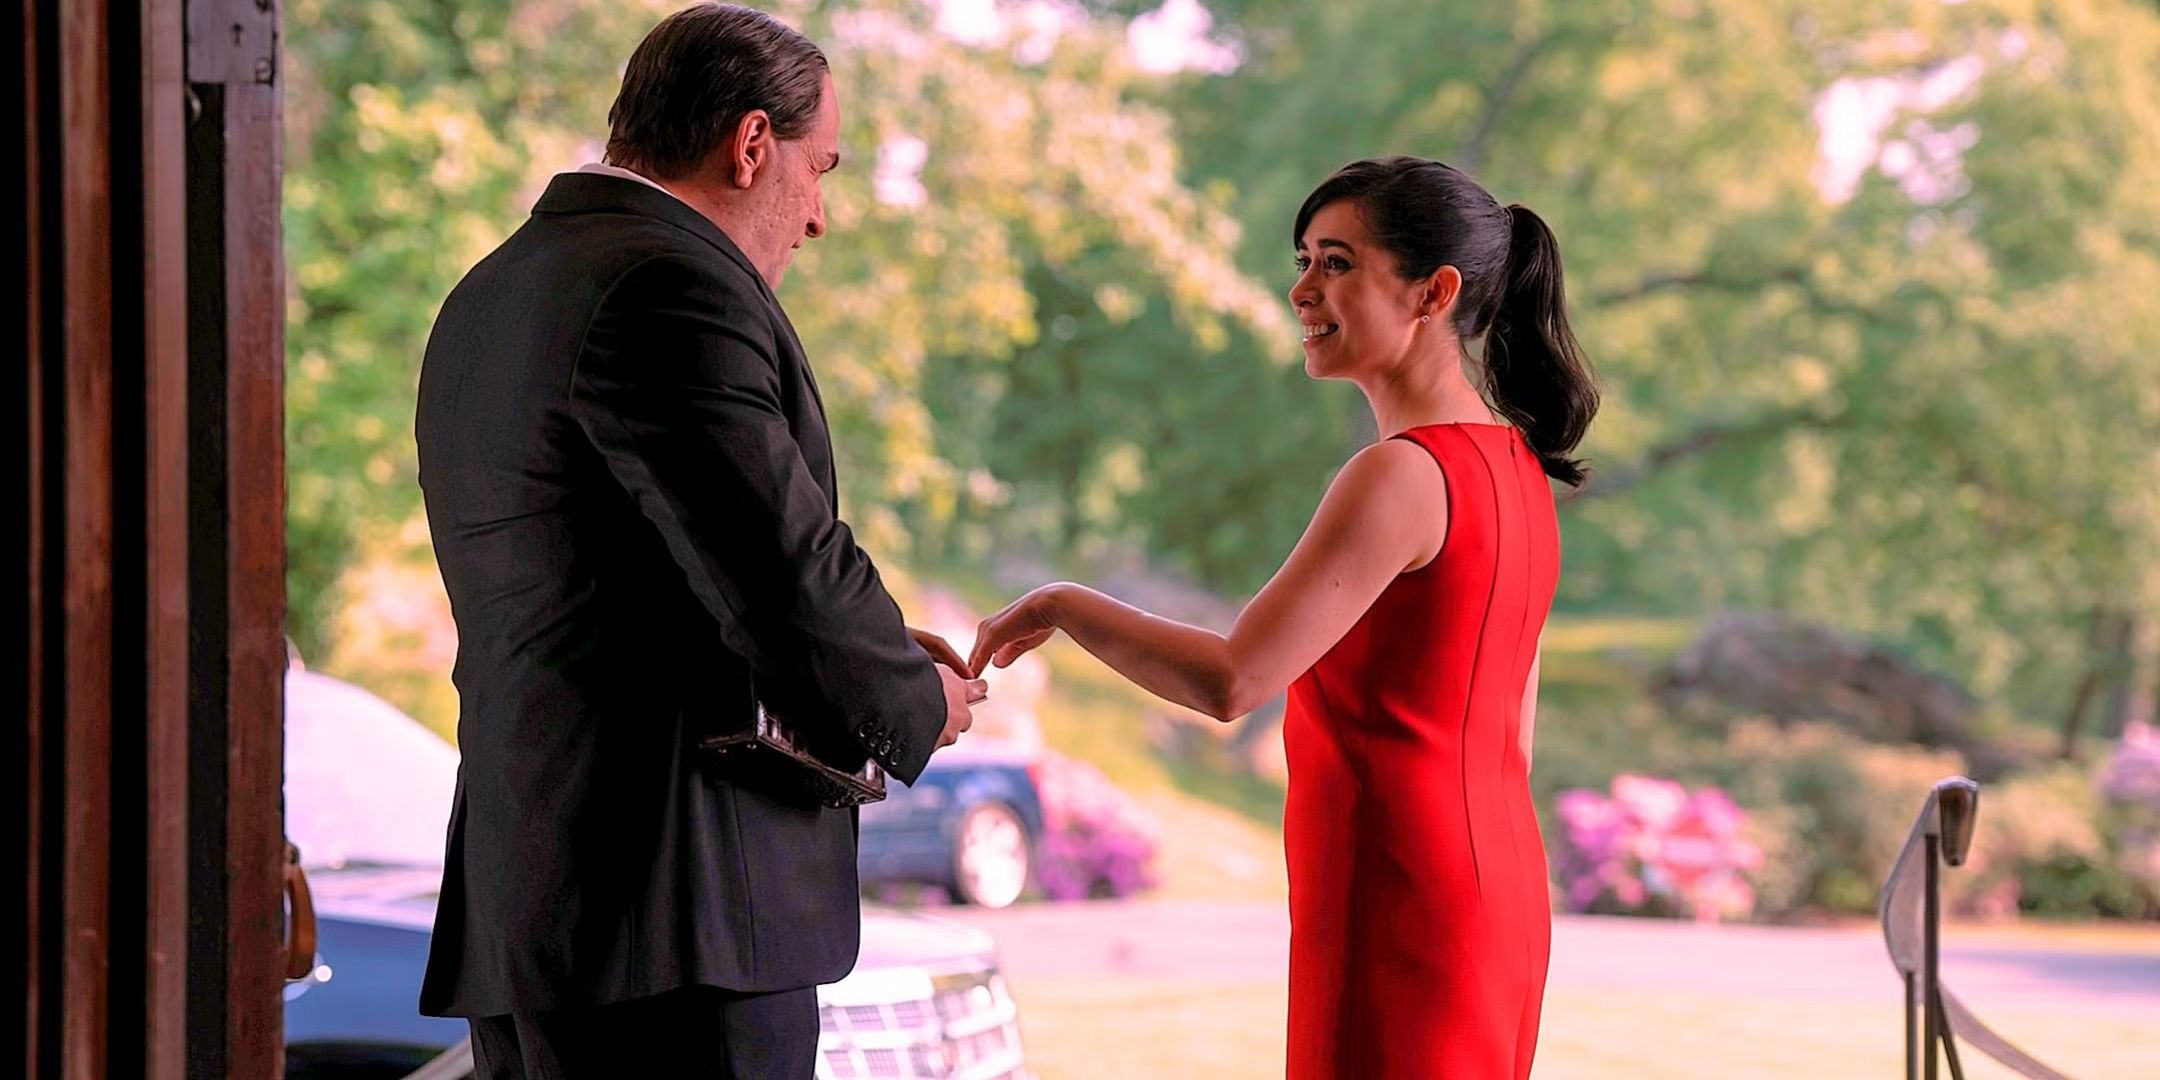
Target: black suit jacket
[(629, 483)]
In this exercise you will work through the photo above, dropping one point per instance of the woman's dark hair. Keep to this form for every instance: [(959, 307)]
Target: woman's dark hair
[(695, 75), (1430, 215)]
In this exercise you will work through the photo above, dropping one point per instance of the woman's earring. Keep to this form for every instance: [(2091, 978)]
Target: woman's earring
[(1424, 318)]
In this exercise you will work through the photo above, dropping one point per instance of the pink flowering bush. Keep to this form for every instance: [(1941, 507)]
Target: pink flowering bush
[(1096, 841), (2130, 786), (1654, 847)]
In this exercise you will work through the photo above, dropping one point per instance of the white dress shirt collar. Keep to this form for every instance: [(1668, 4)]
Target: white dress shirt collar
[(625, 174)]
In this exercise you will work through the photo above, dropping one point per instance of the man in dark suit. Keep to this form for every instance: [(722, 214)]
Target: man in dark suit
[(630, 487)]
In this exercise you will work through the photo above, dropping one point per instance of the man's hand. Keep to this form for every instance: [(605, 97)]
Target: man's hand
[(960, 693), (941, 651), (962, 688)]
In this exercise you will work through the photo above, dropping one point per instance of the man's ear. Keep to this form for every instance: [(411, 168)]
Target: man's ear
[(1441, 290), (750, 148)]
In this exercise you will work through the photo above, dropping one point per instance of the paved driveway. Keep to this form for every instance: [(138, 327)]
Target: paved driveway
[(1148, 940)]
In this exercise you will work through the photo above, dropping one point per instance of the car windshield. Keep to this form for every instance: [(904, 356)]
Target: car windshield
[(366, 786)]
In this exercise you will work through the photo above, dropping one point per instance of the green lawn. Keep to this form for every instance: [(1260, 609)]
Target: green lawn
[(1664, 1035), (1221, 840), (1089, 1029), (1085, 1029)]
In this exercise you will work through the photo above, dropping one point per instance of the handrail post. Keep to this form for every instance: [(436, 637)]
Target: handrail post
[(1941, 836), (1912, 1030), (1930, 932)]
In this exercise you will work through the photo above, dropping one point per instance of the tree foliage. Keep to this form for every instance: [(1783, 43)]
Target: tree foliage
[(1924, 409), (1918, 398), (1041, 196)]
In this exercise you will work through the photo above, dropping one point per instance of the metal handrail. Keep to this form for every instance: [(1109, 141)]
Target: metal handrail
[(1911, 913), (455, 1063)]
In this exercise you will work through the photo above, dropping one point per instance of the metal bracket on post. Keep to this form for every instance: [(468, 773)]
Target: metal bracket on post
[(232, 41)]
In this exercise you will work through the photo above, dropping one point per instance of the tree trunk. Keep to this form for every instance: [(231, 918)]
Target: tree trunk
[(2103, 651), (1071, 463), (2141, 672)]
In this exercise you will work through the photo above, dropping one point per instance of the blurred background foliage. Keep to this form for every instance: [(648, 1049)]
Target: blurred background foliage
[(1874, 292)]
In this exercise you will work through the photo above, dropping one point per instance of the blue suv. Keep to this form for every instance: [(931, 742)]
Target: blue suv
[(971, 825)]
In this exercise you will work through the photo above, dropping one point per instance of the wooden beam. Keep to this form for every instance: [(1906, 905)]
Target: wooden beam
[(255, 833), (165, 475), (26, 818), (237, 555), (86, 597)]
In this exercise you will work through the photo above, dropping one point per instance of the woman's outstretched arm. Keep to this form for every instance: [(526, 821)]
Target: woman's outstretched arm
[(1384, 514)]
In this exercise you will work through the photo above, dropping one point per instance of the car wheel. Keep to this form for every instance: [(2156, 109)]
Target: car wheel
[(991, 857)]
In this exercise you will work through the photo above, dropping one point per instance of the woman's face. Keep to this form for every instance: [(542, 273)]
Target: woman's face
[(1359, 315)]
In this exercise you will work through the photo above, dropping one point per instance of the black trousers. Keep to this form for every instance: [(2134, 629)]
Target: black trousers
[(698, 1031)]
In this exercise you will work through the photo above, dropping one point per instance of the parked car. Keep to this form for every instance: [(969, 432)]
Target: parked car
[(989, 823), (367, 802), (970, 825)]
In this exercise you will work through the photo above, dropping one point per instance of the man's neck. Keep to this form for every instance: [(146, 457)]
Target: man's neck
[(724, 207)]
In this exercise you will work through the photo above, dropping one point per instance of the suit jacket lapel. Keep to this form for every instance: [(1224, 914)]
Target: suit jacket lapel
[(802, 363)]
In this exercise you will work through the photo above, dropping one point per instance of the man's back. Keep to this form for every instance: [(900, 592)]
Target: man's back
[(563, 593), (630, 488), (598, 475)]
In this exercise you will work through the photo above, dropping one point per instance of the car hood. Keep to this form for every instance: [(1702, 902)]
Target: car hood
[(404, 897), (892, 937)]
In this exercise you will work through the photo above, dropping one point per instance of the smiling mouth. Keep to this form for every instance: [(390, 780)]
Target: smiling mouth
[(1317, 331)]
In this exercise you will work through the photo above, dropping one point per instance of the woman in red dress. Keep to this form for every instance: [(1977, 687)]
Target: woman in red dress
[(1405, 626)]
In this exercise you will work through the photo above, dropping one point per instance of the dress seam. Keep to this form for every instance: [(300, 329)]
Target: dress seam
[(1462, 733)]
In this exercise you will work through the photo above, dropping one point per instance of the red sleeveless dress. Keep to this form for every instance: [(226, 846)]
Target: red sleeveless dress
[(1420, 918)]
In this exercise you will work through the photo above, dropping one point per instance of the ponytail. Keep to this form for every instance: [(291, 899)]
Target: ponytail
[(1534, 368)]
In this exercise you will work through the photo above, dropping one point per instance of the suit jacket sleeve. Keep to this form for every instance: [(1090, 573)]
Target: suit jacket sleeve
[(679, 387)]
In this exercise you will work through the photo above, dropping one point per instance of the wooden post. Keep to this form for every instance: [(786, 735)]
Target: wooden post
[(144, 546), (237, 658), (24, 483), (165, 538), (85, 595)]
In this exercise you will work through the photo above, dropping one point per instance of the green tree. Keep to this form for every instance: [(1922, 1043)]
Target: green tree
[(1926, 410), (1008, 312), (414, 132), (985, 183)]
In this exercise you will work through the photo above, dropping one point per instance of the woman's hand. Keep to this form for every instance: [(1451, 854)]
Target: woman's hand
[(1384, 515), (1024, 624)]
